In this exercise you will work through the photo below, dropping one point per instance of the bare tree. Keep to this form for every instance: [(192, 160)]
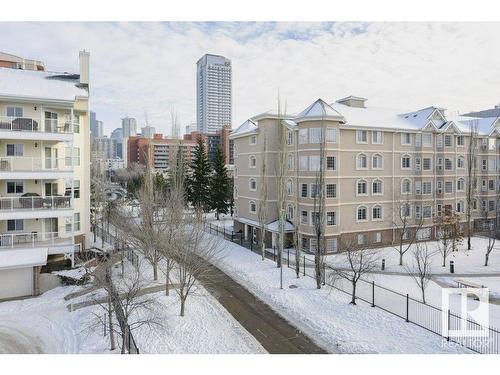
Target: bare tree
[(489, 227), (444, 234), (262, 209), (421, 270), (359, 260), (281, 184), (405, 227), (97, 199), (471, 178)]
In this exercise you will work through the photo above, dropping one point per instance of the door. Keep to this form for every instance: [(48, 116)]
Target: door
[(50, 189), (51, 228), (50, 158), (50, 122)]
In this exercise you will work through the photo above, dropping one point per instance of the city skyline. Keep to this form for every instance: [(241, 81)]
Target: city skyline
[(445, 63)]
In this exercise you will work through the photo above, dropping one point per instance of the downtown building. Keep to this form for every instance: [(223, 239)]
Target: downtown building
[(44, 171), (374, 159), (213, 93)]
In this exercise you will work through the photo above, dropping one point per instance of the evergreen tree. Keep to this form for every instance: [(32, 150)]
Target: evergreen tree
[(199, 180), (220, 185)]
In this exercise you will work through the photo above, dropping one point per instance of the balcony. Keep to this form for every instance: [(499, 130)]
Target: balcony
[(35, 129), (27, 207), (51, 240), (20, 167)]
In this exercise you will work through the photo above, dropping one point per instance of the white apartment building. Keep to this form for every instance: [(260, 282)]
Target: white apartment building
[(375, 158), (213, 93), (44, 172)]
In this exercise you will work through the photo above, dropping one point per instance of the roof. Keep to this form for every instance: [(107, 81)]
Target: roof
[(247, 127), (484, 125), (40, 85), (319, 109), (21, 258), (271, 227)]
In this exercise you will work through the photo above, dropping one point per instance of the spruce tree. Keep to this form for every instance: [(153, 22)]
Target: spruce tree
[(199, 181), (220, 185)]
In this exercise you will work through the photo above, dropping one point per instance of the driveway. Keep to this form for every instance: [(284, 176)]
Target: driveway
[(16, 341)]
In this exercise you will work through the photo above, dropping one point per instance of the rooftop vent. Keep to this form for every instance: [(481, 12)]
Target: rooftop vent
[(353, 101)]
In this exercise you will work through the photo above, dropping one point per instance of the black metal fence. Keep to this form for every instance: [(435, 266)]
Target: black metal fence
[(480, 339)]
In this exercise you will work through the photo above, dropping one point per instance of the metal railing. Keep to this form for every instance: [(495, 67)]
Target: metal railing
[(32, 239), (34, 164), (35, 203), (36, 125)]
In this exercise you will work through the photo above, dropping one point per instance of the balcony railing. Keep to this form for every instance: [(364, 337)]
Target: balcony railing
[(34, 125), (33, 239), (34, 203), (31, 164)]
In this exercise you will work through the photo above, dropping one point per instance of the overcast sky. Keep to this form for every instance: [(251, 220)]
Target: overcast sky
[(151, 67)]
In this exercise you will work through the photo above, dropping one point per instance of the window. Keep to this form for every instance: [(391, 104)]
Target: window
[(303, 191), (331, 245), (448, 140), (427, 139), (362, 213), (303, 161), (314, 218), (362, 239), (406, 186), (302, 136), (253, 140), (377, 187), (252, 161), (289, 138), (439, 140), (315, 135), (418, 164), (460, 184), (427, 212), (491, 164), (439, 210), (439, 187), (448, 187), (460, 140), (253, 207), (290, 212), (474, 204), (418, 212), (405, 162), (362, 188), (76, 124), (76, 188), (405, 210), (377, 213), (491, 185), (312, 245), (290, 162), (331, 135), (361, 136), (304, 217), (253, 184), (68, 224), (377, 161), (418, 187), (15, 225), (439, 165), (427, 164), (491, 205), (377, 137), (14, 111), (361, 162), (305, 243), (314, 161), (418, 140), (378, 237), (460, 206), (406, 139), (76, 221), (331, 163), (484, 164), (331, 190), (448, 164), (314, 190), (15, 149), (72, 158), (331, 218), (289, 187), (15, 187), (427, 187)]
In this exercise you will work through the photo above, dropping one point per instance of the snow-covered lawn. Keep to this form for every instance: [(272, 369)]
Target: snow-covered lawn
[(225, 220), (326, 315), (206, 328)]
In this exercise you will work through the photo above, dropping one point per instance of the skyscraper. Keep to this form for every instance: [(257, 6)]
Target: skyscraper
[(96, 126), (213, 86), (129, 126)]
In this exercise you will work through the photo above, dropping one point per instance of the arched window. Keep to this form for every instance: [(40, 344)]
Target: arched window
[(253, 184), (460, 162), (377, 212), (290, 214), (253, 207), (361, 161), (362, 214), (405, 161), (252, 161), (361, 188), (289, 187), (460, 206), (460, 184), (405, 186), (377, 161), (290, 162), (377, 188)]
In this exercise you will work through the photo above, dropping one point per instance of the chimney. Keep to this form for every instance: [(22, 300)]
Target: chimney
[(84, 67), (353, 101)]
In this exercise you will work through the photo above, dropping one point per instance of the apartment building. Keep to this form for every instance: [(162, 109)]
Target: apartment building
[(213, 141), (44, 172), (380, 165)]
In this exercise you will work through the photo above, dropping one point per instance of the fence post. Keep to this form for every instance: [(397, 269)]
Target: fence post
[(304, 265), (241, 238), (288, 258), (407, 307), (251, 245), (274, 253), (449, 321), (224, 232), (324, 273), (373, 293), (232, 236)]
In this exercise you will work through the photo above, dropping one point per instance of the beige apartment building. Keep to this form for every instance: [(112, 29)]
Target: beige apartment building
[(44, 171), (378, 163)]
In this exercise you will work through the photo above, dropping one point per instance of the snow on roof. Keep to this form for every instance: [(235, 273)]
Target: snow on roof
[(39, 84), (272, 227), (319, 109), (21, 258), (247, 127), (290, 123), (484, 125)]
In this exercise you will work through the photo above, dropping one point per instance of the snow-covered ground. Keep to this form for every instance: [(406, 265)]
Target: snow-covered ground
[(326, 315), (225, 220), (46, 322)]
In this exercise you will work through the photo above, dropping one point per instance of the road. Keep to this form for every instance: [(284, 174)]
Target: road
[(16, 341)]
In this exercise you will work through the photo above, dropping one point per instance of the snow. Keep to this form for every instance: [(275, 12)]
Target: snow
[(77, 273), (35, 84), (225, 221), (249, 126), (325, 315), (319, 109), (20, 258)]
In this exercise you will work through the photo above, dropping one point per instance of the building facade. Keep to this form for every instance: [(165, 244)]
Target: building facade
[(379, 166), (148, 131), (96, 126), (117, 135), (129, 127), (44, 173), (213, 141), (213, 93)]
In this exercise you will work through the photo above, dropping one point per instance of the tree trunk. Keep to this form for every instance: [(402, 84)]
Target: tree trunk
[(423, 293), (353, 296), (317, 269), (297, 261), (167, 277), (486, 258), (217, 215), (155, 271), (183, 302), (110, 319), (444, 260), (401, 257), (469, 246)]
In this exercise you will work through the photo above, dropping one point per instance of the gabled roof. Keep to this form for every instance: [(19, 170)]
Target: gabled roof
[(319, 110), (485, 126), (249, 126)]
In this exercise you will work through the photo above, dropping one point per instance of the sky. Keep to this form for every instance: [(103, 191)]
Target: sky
[(139, 68)]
